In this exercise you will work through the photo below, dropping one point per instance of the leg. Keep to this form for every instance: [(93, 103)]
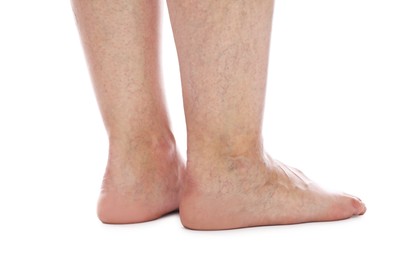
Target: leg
[(223, 49), (121, 43)]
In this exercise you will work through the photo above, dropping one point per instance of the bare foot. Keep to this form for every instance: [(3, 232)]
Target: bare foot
[(141, 182), (243, 191)]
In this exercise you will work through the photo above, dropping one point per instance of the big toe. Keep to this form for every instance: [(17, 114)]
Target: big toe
[(353, 204), (346, 206), (359, 206)]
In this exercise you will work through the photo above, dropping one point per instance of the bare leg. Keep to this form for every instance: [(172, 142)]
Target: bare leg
[(121, 42), (223, 49)]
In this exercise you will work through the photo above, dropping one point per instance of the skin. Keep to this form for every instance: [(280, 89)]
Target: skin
[(229, 181), (121, 43)]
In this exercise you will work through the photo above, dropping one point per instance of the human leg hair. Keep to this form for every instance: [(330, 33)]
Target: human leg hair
[(223, 49)]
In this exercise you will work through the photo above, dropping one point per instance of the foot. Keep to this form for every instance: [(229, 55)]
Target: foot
[(141, 182), (242, 191)]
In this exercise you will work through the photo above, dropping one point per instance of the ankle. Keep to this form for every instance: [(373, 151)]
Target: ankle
[(158, 144), (222, 165), (223, 148)]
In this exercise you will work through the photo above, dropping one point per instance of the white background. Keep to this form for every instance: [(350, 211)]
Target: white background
[(339, 107)]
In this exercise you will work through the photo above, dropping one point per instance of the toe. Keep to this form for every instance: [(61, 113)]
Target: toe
[(346, 206), (359, 206)]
